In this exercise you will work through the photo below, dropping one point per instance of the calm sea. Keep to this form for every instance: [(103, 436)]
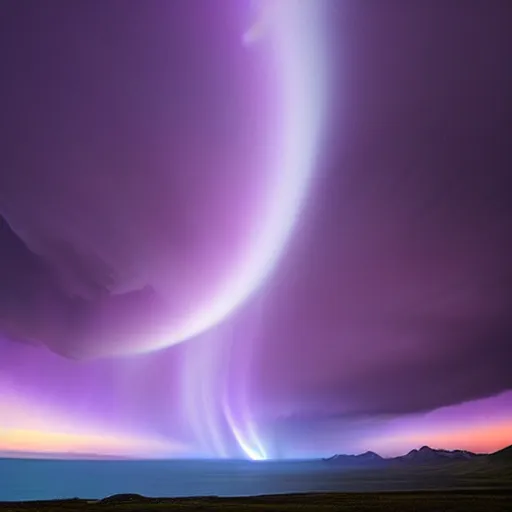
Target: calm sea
[(50, 479)]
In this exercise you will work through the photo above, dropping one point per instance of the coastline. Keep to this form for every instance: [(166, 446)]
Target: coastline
[(468, 500)]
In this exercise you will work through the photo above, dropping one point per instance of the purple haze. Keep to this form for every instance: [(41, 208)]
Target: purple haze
[(147, 153)]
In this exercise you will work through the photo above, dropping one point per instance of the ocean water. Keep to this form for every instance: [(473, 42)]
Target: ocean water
[(57, 479)]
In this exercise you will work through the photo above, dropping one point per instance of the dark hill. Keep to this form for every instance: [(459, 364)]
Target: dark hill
[(504, 455), (126, 498)]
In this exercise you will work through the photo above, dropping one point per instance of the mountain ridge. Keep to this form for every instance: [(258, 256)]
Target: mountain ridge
[(425, 454)]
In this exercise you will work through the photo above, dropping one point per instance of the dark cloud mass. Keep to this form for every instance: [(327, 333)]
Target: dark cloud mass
[(135, 142), (38, 307), (401, 293)]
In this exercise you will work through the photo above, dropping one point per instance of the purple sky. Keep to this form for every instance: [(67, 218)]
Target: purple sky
[(141, 145)]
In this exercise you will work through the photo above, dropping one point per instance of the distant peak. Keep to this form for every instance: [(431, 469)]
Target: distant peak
[(370, 455), (364, 458)]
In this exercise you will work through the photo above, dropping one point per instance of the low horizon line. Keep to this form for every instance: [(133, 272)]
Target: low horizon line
[(70, 456)]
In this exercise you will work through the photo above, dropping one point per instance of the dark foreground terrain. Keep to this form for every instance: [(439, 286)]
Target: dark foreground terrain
[(455, 501)]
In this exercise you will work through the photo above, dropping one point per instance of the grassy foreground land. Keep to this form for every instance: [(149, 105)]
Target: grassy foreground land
[(430, 501)]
